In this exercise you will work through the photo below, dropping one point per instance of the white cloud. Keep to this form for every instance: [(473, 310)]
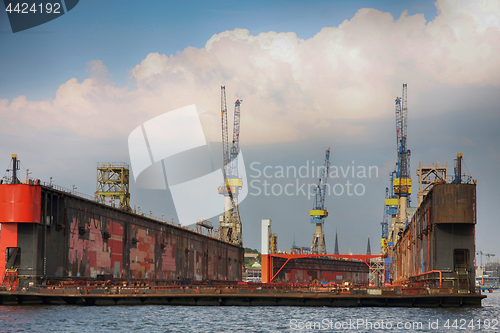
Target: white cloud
[(291, 88)]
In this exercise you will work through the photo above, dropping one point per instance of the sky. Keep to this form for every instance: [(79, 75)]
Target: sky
[(311, 75)]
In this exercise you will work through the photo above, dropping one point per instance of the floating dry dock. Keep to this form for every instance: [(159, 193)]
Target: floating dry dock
[(57, 247), (241, 294)]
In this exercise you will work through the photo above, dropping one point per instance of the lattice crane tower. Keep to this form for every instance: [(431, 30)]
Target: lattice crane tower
[(318, 213), (113, 183), (230, 223), (402, 184)]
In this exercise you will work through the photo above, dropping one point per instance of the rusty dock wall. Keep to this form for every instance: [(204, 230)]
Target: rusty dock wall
[(324, 270), (438, 245), (64, 236), (240, 294)]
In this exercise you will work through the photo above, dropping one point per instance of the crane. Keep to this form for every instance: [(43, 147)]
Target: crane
[(318, 213), (402, 183), (390, 211), (230, 222), (385, 217), (481, 254)]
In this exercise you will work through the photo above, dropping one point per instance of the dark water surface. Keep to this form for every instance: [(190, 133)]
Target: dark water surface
[(159, 318)]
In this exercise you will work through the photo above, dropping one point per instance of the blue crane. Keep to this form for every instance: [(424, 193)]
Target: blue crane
[(390, 211), (402, 183)]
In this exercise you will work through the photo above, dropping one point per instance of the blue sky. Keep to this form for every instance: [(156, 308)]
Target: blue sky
[(312, 75), (121, 33)]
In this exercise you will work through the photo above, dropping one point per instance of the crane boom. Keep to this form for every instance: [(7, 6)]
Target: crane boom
[(225, 145), (321, 188), (235, 148)]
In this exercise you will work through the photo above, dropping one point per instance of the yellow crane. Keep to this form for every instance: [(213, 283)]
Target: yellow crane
[(230, 222)]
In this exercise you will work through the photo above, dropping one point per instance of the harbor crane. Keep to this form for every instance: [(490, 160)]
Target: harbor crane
[(230, 222), (481, 254), (318, 213), (390, 210), (402, 183)]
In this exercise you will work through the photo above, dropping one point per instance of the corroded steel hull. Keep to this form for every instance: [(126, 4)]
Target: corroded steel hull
[(309, 270), (438, 245), (65, 236), (241, 294)]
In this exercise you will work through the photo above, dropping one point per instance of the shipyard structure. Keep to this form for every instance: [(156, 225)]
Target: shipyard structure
[(50, 234), (433, 244), (60, 247), (438, 245)]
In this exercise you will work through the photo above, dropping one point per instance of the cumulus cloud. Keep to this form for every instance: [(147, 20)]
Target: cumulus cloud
[(98, 71), (291, 88)]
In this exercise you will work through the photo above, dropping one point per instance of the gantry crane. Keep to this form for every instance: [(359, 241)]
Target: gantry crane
[(230, 223), (318, 213), (402, 184)]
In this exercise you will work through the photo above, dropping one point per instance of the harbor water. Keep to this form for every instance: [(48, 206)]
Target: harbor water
[(66, 318)]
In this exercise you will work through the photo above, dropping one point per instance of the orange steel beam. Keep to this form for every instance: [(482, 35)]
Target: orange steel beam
[(434, 271), (362, 257), (279, 269), (342, 256), (380, 277)]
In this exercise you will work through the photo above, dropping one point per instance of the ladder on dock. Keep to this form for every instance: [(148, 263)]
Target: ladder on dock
[(10, 279)]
